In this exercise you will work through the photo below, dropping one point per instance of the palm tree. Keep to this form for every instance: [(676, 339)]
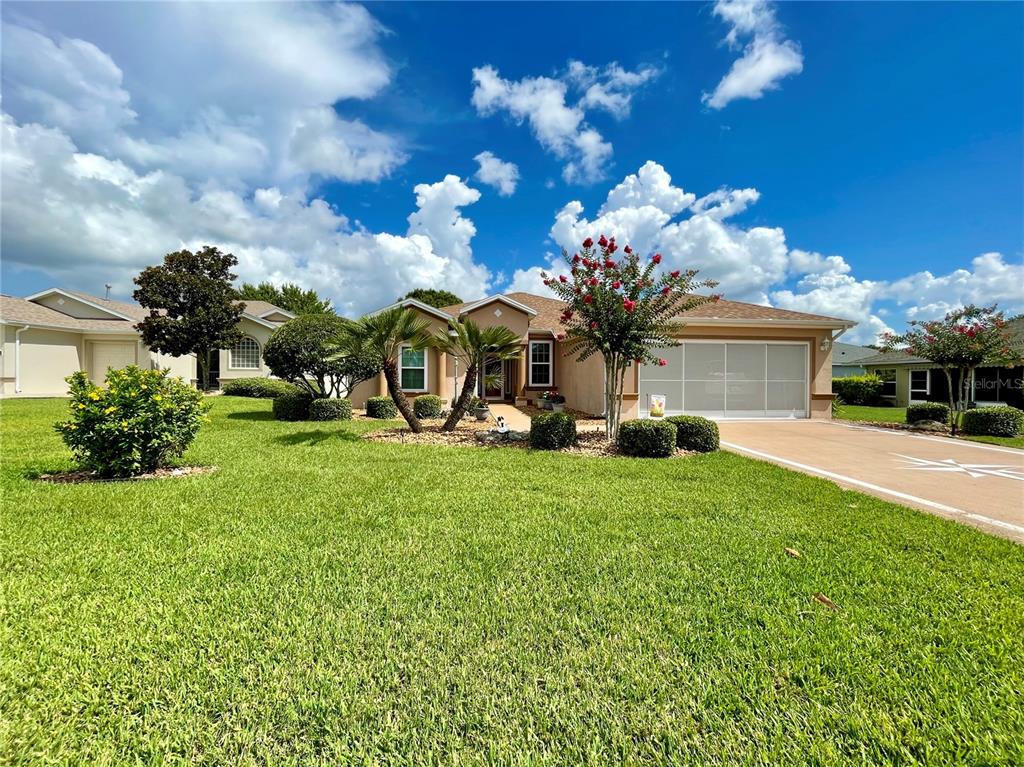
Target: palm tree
[(475, 346), (383, 335)]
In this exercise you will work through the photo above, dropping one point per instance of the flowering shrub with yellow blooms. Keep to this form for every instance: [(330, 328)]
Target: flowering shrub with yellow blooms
[(135, 425)]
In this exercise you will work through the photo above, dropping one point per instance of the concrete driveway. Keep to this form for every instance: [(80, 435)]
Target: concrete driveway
[(981, 485)]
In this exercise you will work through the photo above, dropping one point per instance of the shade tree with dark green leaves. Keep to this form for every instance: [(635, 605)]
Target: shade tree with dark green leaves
[(192, 306), (434, 297), (289, 296), (302, 351)]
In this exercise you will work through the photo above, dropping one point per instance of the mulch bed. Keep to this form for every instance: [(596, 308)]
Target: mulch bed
[(82, 475), (590, 443)]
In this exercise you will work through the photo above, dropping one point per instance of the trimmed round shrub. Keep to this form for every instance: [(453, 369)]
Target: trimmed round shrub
[(928, 411), (293, 406), (552, 431), (994, 421), (858, 390), (381, 407), (647, 438), (330, 410), (261, 388), (695, 433), (142, 419), (428, 406)]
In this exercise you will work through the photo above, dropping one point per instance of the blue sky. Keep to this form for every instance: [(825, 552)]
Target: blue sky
[(862, 160)]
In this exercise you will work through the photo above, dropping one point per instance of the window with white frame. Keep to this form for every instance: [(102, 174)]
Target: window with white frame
[(920, 384), (245, 355), (541, 364), (413, 369)]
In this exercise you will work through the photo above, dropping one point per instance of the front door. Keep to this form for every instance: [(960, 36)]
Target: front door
[(494, 381)]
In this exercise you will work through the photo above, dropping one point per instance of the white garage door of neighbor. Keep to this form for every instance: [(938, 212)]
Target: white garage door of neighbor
[(730, 379), (111, 355)]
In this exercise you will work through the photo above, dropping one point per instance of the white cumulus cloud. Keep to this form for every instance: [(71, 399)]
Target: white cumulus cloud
[(557, 116), (86, 219), (495, 172), (767, 56)]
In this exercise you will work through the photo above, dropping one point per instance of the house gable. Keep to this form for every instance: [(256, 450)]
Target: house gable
[(77, 306)]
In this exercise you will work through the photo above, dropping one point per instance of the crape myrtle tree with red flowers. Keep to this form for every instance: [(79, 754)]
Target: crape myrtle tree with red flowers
[(962, 341), (618, 306)]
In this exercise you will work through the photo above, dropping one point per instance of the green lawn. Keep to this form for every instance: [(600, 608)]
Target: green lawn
[(323, 600), (899, 415), (871, 413)]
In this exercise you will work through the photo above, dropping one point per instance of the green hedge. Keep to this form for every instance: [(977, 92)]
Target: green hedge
[(262, 388), (552, 431), (428, 406), (858, 390), (330, 410), (995, 421), (695, 433), (381, 407), (647, 438), (293, 406), (928, 411)]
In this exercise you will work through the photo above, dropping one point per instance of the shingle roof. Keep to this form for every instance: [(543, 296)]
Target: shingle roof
[(259, 308), (122, 307), (549, 311), (18, 310), (850, 354), (14, 310), (893, 358)]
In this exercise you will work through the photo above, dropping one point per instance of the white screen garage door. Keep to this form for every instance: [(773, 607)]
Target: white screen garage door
[(733, 379)]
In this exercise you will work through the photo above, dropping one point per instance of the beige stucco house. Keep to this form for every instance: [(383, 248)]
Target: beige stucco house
[(54, 333), (736, 360)]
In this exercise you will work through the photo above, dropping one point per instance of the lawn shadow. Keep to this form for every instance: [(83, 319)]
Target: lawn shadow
[(252, 415), (315, 437)]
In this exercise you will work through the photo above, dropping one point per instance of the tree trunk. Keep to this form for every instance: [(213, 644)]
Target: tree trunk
[(613, 382), (203, 363), (462, 403), (391, 376), (952, 401)]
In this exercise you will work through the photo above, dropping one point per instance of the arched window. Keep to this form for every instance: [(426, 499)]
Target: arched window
[(246, 354)]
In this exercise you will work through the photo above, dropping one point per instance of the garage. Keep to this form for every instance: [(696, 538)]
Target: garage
[(110, 354), (730, 379)]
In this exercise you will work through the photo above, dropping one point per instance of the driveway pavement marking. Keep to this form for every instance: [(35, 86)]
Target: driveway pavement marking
[(973, 470), (879, 489)]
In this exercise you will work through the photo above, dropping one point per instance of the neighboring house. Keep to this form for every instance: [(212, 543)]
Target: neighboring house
[(54, 333), (846, 359), (910, 379), (737, 360)]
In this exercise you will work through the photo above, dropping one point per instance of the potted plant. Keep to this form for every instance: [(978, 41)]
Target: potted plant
[(556, 402), (480, 409)]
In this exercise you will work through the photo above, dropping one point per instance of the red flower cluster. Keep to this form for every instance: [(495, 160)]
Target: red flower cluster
[(662, 363), (628, 305), (588, 243), (656, 258)]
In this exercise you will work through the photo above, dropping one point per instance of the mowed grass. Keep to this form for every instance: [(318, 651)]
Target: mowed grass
[(899, 415), (324, 600)]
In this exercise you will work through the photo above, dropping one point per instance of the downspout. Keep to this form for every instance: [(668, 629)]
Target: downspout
[(17, 358)]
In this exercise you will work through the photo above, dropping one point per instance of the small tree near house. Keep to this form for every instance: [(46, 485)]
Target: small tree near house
[(474, 347), (962, 341), (621, 308), (381, 337), (192, 306)]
